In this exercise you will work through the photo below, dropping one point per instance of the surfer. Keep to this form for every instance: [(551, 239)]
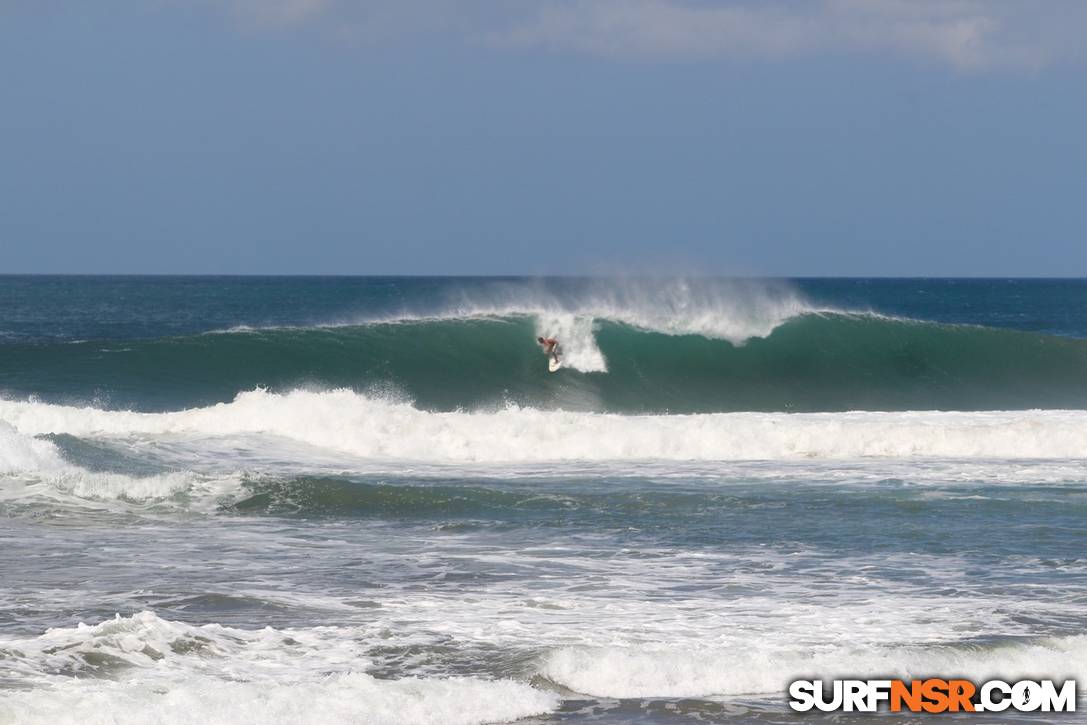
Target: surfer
[(550, 346)]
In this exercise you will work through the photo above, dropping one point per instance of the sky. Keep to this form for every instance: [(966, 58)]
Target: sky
[(743, 137)]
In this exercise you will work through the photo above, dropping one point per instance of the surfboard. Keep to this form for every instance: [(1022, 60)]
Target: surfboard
[(553, 364)]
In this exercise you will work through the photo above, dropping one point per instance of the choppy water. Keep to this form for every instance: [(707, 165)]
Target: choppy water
[(366, 500)]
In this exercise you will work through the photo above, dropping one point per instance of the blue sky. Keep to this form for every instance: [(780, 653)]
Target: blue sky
[(831, 137)]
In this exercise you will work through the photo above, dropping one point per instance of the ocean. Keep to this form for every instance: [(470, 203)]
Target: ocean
[(366, 500)]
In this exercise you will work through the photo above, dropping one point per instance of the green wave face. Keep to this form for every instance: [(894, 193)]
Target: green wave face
[(813, 362), (474, 502)]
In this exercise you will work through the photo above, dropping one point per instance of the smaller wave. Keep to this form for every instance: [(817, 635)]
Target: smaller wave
[(20, 453), (310, 495), (36, 468), (629, 672), (143, 668), (378, 429)]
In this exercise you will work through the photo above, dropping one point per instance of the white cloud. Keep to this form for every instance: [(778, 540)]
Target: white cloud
[(360, 21), (964, 34), (279, 12)]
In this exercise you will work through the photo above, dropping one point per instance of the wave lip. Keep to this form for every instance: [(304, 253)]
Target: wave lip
[(734, 310), (731, 309)]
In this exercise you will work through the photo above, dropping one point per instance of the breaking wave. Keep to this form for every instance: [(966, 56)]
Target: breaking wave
[(377, 429), (809, 362), (143, 668), (626, 672)]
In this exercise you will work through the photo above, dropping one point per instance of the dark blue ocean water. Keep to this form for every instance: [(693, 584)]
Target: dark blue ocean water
[(366, 499)]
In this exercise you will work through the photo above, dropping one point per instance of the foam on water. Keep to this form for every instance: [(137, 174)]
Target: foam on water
[(143, 668), (375, 428), (35, 467), (19, 453), (350, 698), (577, 345), (625, 672), (129, 669)]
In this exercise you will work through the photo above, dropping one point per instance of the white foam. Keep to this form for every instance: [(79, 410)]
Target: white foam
[(350, 698), (355, 424), (167, 672), (19, 453), (627, 672), (577, 344), (26, 460), (104, 486), (728, 309), (689, 623)]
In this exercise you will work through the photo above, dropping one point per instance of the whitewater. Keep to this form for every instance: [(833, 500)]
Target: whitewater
[(366, 500), (370, 428)]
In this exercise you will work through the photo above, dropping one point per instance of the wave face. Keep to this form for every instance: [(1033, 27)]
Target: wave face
[(809, 362)]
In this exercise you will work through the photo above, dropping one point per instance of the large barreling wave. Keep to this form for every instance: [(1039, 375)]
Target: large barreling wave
[(665, 347)]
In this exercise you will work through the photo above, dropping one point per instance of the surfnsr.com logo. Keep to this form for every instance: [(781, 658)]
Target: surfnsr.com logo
[(933, 695)]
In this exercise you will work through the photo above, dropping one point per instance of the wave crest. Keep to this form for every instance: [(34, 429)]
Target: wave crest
[(808, 363)]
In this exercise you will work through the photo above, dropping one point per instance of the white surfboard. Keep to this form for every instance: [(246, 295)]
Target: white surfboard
[(554, 364)]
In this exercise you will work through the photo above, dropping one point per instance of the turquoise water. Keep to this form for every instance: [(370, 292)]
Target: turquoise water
[(308, 499), (160, 344)]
